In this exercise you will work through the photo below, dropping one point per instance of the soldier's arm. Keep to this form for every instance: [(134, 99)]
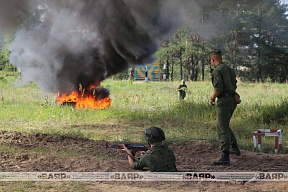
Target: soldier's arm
[(141, 163), (218, 83), (218, 86), (131, 158)]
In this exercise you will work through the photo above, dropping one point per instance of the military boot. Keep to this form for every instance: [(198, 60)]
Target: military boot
[(235, 150), (224, 160)]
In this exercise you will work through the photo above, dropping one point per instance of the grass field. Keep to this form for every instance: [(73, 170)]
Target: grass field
[(136, 106)]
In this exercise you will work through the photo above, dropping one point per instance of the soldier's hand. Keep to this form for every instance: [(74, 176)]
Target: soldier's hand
[(124, 148), (142, 153), (212, 101)]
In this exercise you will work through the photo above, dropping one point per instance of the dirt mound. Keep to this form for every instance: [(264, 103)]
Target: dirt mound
[(63, 149), (41, 152)]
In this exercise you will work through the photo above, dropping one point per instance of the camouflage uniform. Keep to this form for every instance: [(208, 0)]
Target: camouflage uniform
[(182, 92), (224, 80), (159, 159)]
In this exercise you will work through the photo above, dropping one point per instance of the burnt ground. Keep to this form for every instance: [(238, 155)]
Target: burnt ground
[(23, 152)]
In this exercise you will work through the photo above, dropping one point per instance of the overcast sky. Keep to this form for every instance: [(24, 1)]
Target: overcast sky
[(284, 1)]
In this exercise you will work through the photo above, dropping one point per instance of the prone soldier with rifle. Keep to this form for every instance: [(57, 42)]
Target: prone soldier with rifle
[(159, 158)]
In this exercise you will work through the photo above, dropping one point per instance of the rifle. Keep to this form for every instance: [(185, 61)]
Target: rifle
[(135, 147)]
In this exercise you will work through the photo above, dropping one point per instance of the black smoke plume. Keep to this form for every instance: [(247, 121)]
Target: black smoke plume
[(62, 43)]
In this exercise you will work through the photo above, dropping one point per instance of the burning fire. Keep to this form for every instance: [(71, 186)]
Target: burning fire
[(84, 98)]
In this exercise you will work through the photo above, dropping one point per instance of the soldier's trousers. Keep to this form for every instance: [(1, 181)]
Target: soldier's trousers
[(225, 109), (182, 95)]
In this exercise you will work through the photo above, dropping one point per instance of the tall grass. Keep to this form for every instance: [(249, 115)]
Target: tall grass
[(136, 106)]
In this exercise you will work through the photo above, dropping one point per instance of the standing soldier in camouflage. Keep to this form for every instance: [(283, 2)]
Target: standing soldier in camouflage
[(159, 159), (182, 88), (224, 83)]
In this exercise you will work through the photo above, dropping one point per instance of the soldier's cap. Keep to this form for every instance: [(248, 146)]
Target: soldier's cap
[(216, 52)]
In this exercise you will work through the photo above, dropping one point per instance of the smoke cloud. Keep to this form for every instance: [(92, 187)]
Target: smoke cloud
[(62, 43), (12, 13)]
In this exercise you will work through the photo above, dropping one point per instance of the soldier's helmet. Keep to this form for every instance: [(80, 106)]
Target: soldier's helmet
[(154, 134), (182, 81)]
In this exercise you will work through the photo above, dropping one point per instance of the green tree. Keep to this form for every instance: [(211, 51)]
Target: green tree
[(267, 43), (252, 35), (256, 36), (4, 54), (172, 50)]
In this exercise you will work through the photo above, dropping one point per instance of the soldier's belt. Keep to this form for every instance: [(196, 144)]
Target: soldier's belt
[(225, 95)]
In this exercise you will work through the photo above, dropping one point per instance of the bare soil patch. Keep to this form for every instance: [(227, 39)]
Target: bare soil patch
[(62, 153)]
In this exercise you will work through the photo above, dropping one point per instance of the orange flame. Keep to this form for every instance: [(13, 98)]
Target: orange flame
[(84, 99)]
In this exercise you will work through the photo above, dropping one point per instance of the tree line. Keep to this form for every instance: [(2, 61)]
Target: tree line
[(252, 35)]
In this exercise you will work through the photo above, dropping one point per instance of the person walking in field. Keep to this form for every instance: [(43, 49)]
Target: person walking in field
[(159, 159), (182, 88), (224, 83)]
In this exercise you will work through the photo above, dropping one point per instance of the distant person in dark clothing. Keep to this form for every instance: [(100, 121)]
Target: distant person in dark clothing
[(182, 88)]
